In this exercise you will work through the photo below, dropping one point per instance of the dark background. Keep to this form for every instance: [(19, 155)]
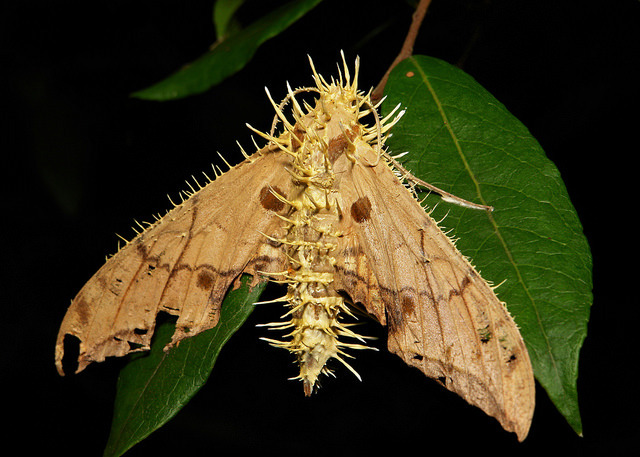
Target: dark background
[(81, 159)]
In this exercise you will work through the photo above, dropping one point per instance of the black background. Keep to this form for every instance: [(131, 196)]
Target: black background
[(81, 159)]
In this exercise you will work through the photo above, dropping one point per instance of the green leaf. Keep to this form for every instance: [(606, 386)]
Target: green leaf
[(464, 141), (223, 12), (227, 57), (155, 385)]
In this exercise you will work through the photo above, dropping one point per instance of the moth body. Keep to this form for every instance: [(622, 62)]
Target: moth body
[(316, 140)]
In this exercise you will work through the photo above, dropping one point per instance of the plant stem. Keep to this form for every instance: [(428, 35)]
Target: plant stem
[(407, 46)]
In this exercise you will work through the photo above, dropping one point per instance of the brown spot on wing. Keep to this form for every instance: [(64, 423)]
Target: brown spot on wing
[(83, 312), (408, 304), (297, 138), (338, 144), (269, 201), (141, 249), (205, 280), (361, 210)]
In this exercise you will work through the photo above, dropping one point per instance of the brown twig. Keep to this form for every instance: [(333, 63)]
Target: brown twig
[(407, 47)]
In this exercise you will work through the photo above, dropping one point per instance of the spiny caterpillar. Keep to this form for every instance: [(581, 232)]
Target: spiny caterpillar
[(324, 209)]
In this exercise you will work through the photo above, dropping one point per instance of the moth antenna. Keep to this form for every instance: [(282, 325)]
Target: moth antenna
[(297, 111), (279, 112), (224, 160), (444, 195)]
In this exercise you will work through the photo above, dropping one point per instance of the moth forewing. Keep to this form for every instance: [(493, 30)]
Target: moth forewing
[(322, 210), (183, 265), (442, 316)]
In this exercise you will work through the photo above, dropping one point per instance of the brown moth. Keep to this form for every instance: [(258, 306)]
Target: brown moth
[(322, 209)]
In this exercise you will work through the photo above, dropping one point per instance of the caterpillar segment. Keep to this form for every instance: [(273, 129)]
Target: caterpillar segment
[(315, 308)]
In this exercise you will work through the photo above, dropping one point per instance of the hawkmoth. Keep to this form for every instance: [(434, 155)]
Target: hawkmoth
[(324, 209)]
